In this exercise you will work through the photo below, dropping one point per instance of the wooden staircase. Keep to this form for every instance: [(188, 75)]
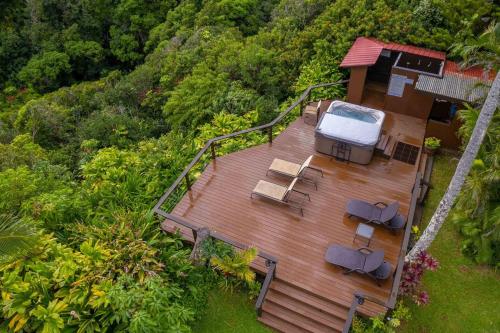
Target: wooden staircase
[(289, 308)]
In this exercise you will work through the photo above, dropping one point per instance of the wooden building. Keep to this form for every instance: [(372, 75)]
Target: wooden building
[(413, 81)]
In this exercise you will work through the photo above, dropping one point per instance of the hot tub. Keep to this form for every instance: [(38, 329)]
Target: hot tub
[(349, 131)]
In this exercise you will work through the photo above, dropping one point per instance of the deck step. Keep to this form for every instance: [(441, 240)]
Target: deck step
[(287, 305), (278, 324), (315, 301), (313, 313), (306, 324)]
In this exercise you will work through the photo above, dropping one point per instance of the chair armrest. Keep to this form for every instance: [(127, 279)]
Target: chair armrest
[(361, 249), (380, 203), (349, 271)]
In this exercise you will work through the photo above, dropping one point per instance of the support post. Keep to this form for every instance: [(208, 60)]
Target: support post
[(212, 148), (197, 253), (270, 134)]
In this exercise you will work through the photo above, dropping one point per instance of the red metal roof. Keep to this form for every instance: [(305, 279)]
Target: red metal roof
[(475, 71), (365, 52)]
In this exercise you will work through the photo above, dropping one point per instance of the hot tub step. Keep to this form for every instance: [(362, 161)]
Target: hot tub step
[(390, 147), (384, 139)]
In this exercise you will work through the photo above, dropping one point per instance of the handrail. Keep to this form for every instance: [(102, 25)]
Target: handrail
[(271, 261), (359, 298), (404, 247), (210, 143)]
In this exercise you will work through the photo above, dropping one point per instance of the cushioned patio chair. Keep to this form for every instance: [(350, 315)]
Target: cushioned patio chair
[(377, 213), (294, 170), (362, 261), (279, 193)]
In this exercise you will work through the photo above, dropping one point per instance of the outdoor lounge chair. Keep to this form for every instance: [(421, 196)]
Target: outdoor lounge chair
[(281, 194), (362, 260), (294, 170), (377, 213)]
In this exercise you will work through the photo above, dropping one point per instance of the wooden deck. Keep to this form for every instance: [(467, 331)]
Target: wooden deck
[(220, 199)]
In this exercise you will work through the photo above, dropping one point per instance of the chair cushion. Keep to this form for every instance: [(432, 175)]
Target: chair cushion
[(344, 257), (363, 209), (373, 260), (285, 167), (389, 212), (382, 272), (398, 222), (270, 190)]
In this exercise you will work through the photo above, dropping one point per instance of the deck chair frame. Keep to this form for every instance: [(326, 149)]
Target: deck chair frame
[(286, 200), (302, 171)]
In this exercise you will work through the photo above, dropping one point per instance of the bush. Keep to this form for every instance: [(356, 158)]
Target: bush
[(46, 71), (432, 143), (412, 276)]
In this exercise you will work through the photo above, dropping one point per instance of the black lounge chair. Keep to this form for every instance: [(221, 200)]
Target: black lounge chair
[(362, 260), (377, 213)]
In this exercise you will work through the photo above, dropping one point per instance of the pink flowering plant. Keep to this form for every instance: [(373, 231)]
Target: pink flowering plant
[(412, 277)]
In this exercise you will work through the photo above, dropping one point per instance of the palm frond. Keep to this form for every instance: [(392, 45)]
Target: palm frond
[(16, 237)]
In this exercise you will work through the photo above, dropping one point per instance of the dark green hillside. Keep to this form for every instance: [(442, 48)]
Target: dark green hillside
[(103, 103)]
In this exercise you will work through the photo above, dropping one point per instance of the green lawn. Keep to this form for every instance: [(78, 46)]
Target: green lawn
[(464, 297), (229, 312)]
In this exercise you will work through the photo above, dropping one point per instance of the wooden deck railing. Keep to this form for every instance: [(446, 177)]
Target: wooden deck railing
[(271, 261), (359, 298)]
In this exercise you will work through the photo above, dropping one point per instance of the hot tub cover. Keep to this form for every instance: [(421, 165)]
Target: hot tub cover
[(349, 130)]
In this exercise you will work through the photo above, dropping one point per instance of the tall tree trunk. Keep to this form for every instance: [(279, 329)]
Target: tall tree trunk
[(463, 168)]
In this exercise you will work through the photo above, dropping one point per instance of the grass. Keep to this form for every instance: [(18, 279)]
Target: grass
[(228, 313), (464, 297)]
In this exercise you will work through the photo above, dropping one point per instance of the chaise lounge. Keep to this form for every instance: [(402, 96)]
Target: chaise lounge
[(377, 213), (279, 193), (362, 261), (294, 170)]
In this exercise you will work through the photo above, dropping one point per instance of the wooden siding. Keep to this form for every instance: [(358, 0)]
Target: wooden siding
[(220, 199)]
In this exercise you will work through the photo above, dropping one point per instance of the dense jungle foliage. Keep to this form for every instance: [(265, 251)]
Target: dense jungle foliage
[(104, 102)]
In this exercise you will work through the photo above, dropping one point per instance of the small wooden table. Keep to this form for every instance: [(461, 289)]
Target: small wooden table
[(365, 232)]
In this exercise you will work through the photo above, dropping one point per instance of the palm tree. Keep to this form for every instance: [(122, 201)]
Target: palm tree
[(482, 51), (16, 237), (463, 169)]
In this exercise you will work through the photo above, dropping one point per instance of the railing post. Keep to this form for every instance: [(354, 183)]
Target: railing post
[(271, 271), (270, 134), (212, 148), (356, 300), (188, 182)]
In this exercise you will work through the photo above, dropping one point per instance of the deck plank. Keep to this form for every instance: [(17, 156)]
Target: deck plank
[(220, 199)]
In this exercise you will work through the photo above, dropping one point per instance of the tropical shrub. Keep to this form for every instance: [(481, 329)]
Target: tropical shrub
[(412, 277), (432, 143), (234, 265), (380, 324), (477, 212), (21, 151), (117, 283)]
